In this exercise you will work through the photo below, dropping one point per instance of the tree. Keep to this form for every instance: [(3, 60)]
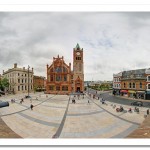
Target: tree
[(4, 83)]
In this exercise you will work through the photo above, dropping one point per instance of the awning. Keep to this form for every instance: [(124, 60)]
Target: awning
[(140, 91), (124, 91), (131, 91)]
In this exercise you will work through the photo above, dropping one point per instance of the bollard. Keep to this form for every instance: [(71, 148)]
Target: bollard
[(4, 104)]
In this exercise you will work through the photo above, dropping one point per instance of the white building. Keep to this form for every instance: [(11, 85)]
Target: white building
[(20, 79)]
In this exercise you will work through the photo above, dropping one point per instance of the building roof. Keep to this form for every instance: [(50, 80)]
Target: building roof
[(138, 71)]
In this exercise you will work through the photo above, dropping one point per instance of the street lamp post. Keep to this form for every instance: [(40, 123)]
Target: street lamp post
[(28, 80)]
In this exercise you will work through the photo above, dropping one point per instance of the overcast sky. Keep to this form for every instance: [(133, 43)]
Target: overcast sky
[(112, 42)]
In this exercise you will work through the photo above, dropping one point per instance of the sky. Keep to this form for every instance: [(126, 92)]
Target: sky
[(112, 41)]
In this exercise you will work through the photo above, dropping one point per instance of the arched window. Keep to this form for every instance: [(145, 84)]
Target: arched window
[(129, 85), (124, 85), (140, 85), (133, 85)]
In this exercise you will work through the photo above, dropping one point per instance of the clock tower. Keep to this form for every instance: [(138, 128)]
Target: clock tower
[(78, 71)]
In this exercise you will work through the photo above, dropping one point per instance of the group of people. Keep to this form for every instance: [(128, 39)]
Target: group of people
[(78, 96), (12, 100), (21, 101)]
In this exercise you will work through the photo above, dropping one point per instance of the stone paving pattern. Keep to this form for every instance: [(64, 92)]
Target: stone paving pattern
[(55, 113), (143, 131)]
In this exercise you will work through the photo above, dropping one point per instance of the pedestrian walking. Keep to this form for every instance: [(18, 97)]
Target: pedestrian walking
[(147, 111), (83, 96), (88, 102), (31, 106)]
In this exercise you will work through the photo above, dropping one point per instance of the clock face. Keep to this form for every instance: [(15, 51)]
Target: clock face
[(78, 53)]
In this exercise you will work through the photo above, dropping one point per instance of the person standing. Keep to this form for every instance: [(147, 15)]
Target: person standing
[(31, 106), (147, 111)]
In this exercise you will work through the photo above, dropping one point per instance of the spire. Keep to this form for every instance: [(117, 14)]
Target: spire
[(77, 46)]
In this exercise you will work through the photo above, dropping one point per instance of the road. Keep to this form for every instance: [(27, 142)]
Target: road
[(116, 99)]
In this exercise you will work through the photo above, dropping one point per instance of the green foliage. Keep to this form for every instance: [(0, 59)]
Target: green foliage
[(4, 83)]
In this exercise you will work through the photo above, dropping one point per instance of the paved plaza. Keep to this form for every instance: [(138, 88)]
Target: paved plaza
[(55, 116)]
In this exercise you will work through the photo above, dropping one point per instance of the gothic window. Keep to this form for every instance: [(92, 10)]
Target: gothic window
[(64, 88), (51, 77), (65, 77), (58, 77), (58, 70), (57, 88), (64, 69), (51, 87)]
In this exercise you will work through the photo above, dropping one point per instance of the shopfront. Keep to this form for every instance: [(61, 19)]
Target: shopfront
[(124, 92), (132, 93), (147, 95), (116, 91), (140, 94)]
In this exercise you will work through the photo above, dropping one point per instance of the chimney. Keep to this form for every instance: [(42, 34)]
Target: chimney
[(15, 65), (32, 69)]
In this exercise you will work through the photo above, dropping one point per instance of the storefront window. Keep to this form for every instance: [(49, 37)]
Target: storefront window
[(148, 78)]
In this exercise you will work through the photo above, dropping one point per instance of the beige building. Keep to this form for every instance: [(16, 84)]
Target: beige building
[(20, 79)]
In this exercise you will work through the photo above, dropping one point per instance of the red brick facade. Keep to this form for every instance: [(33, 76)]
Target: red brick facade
[(38, 83), (60, 78)]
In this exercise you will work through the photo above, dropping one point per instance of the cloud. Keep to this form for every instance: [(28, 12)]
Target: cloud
[(112, 42)]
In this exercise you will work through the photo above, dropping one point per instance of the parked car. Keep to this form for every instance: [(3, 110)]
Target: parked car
[(27, 96), (2, 93), (137, 103)]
